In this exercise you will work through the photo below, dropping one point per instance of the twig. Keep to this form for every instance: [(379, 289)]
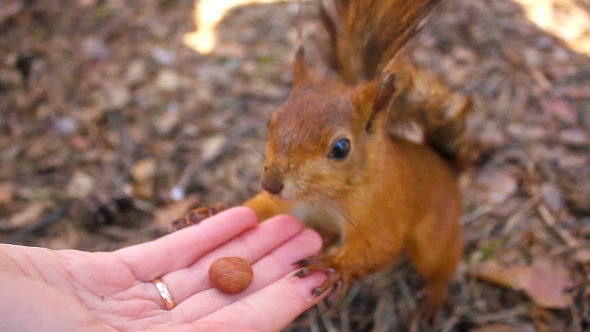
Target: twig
[(518, 215), (326, 318), (561, 250), (549, 220), (577, 321), (385, 318), (505, 315), (476, 214), (407, 293), (345, 307), (45, 221), (450, 324), (313, 319), (122, 171)]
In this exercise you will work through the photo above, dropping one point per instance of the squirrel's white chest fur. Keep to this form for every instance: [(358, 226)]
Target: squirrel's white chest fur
[(320, 217)]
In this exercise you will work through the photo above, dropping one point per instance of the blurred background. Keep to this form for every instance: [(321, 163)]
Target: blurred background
[(116, 117)]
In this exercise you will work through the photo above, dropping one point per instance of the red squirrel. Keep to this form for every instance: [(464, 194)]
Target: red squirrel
[(330, 161)]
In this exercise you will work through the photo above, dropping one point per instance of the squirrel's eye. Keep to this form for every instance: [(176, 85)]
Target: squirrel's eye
[(340, 149)]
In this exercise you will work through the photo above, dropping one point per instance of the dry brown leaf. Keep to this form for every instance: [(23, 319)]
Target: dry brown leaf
[(27, 216), (79, 142), (80, 185), (575, 137), (168, 80), (9, 9), (167, 214), (6, 192), (494, 272), (499, 184), (500, 327), (168, 121), (543, 286), (561, 108), (582, 256), (144, 170), (553, 197), (211, 146)]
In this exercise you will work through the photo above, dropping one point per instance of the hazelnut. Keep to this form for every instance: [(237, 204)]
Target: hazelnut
[(230, 274)]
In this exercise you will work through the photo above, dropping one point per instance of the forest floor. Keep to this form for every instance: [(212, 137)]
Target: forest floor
[(104, 110)]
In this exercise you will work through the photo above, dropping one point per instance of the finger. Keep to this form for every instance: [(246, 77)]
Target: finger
[(206, 327), (252, 245), (180, 249), (273, 307), (267, 270)]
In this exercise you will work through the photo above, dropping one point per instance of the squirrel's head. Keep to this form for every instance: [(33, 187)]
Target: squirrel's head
[(319, 140)]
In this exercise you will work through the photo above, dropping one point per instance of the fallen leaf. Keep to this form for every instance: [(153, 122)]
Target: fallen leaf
[(167, 214), (169, 120), (27, 216), (560, 108), (528, 133), (582, 256), (10, 9), (500, 327), (543, 286), (212, 146), (136, 72), (168, 80), (494, 272), (574, 137), (79, 142), (163, 56), (95, 49), (6, 192), (65, 126), (116, 95), (553, 197), (144, 170), (80, 185), (499, 184)]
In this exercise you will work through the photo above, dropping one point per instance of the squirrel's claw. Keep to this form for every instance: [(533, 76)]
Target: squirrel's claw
[(336, 283), (195, 216)]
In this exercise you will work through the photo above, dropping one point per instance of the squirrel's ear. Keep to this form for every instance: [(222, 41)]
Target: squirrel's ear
[(385, 92), (377, 94), (300, 73)]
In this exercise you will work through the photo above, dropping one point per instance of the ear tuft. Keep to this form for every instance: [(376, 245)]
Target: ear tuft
[(385, 93), (374, 98), (300, 72)]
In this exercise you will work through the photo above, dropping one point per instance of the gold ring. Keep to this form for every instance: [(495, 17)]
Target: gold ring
[(164, 293)]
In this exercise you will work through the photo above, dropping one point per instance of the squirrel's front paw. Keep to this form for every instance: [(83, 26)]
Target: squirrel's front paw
[(195, 216), (337, 280)]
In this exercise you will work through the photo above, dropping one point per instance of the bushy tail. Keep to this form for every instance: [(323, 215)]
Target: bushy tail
[(366, 37), (366, 34), (441, 113)]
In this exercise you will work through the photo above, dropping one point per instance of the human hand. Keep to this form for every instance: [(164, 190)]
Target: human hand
[(73, 290)]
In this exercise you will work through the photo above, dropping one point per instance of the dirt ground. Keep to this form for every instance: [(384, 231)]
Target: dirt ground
[(104, 111)]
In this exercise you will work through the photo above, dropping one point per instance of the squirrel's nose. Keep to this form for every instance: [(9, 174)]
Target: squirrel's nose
[(272, 180)]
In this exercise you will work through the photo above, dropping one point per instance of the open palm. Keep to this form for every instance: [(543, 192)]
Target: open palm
[(73, 290)]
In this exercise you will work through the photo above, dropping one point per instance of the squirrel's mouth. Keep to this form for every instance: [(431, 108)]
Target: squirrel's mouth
[(285, 195), (288, 192)]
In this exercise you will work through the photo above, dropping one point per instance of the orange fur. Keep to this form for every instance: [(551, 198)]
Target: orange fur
[(388, 193)]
